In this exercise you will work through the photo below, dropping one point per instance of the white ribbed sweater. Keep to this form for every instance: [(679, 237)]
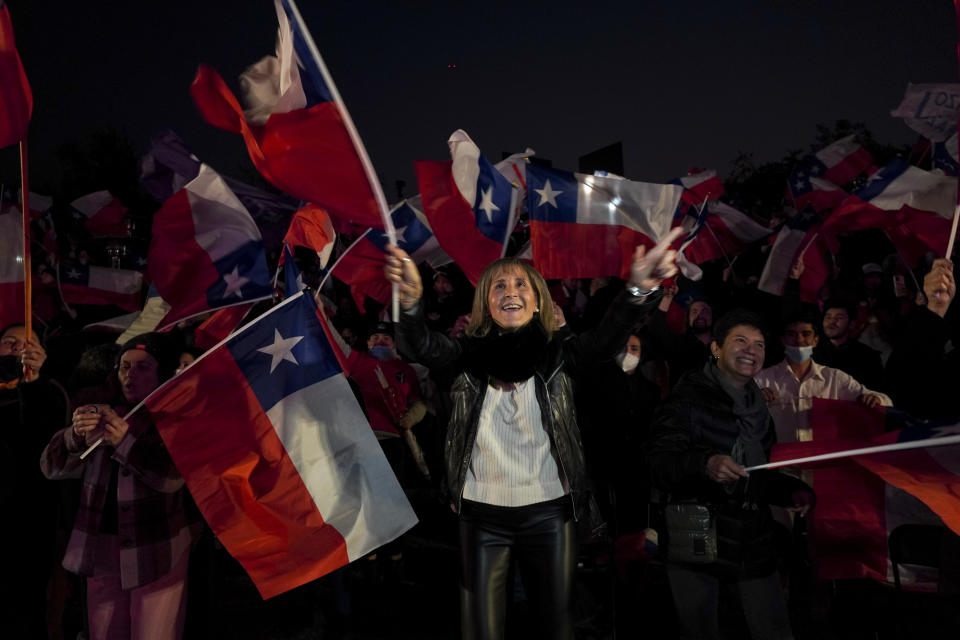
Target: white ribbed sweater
[(511, 464)]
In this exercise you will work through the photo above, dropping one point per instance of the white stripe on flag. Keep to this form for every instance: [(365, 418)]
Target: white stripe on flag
[(342, 465)]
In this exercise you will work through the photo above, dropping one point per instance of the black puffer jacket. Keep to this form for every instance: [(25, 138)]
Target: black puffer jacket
[(694, 423), (567, 355)]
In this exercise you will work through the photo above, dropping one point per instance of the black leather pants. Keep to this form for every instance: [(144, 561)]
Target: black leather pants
[(542, 538)]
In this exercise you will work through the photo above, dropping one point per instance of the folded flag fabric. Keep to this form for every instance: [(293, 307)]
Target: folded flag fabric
[(169, 165), (311, 228), (82, 284), (16, 99), (361, 266), (206, 251), (295, 128), (154, 310), (930, 109), (584, 226), (945, 156), (292, 280), (276, 451), (468, 203), (700, 186), (11, 267), (101, 213), (219, 325)]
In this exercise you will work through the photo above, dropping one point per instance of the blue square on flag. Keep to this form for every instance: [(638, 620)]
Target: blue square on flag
[(411, 233), (551, 195), (284, 352), (494, 195)]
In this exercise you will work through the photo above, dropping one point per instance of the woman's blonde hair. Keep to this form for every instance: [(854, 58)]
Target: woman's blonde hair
[(480, 321)]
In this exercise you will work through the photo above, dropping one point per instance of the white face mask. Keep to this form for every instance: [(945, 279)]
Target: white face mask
[(798, 355), (627, 361)]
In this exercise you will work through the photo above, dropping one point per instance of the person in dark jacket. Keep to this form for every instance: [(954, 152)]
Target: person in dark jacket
[(922, 376), (713, 424), (841, 351), (513, 456), (32, 408)]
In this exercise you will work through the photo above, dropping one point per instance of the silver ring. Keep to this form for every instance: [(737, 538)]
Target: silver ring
[(405, 259)]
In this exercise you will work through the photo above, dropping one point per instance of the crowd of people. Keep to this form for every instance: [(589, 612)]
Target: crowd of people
[(548, 413)]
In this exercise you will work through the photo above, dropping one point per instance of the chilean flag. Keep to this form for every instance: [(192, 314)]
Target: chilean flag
[(725, 232), (206, 252), (699, 186), (361, 266), (793, 239), (584, 226), (277, 453), (914, 207), (11, 267), (169, 166), (101, 213), (468, 203), (293, 127), (859, 504), (81, 284), (16, 99)]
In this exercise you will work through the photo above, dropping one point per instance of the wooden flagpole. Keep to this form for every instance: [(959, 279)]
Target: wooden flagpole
[(25, 209)]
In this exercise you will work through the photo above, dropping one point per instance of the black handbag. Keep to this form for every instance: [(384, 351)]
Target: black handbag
[(691, 533)]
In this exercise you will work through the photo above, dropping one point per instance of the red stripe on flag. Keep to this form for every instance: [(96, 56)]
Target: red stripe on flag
[(453, 221), (16, 99), (242, 479), (566, 250), (305, 152)]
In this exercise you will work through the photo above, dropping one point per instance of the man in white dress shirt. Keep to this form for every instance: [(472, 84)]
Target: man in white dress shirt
[(791, 385)]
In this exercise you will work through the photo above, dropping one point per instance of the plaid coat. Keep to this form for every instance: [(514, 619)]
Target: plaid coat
[(156, 525)]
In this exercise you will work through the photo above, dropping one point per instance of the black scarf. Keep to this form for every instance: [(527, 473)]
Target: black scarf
[(508, 356)]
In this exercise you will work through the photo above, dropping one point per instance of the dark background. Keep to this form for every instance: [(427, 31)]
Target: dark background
[(681, 84)]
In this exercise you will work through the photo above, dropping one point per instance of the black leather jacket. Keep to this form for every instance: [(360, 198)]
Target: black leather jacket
[(568, 355)]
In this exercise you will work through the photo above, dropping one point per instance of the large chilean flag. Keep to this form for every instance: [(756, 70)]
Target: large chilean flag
[(277, 453), (206, 252)]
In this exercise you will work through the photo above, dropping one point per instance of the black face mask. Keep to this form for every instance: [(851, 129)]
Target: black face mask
[(512, 356), (10, 368)]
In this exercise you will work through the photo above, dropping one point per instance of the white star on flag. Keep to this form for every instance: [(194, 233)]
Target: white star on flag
[(234, 282), (400, 231), (73, 274), (280, 349), (547, 195), (486, 204)]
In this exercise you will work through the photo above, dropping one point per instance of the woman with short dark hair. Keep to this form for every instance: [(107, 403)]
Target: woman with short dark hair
[(719, 526)]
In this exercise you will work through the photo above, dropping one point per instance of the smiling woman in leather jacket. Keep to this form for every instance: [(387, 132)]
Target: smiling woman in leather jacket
[(513, 456)]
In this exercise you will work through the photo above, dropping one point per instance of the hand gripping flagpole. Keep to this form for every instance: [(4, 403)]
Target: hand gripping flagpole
[(368, 170)]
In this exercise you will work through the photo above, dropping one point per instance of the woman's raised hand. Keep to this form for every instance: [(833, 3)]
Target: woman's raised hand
[(652, 267), (400, 269)]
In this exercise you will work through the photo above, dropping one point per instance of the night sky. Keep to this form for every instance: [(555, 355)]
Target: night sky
[(681, 84)]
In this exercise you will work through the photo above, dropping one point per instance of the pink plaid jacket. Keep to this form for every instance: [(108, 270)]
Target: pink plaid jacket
[(156, 525)]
